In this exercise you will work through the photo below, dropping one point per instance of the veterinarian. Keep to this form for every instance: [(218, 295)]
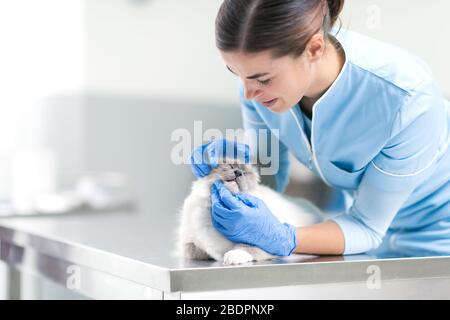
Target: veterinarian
[(366, 117)]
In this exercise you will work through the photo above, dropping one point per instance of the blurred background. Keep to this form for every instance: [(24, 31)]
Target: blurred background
[(99, 86), (68, 68)]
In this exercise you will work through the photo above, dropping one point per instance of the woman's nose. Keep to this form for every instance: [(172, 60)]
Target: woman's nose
[(251, 93)]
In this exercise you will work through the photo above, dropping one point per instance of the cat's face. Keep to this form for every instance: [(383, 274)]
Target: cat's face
[(237, 177)]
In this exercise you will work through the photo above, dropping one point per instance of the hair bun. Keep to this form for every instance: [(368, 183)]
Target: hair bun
[(335, 7)]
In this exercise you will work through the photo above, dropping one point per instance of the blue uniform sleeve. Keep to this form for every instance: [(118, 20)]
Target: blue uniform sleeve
[(261, 138), (403, 164)]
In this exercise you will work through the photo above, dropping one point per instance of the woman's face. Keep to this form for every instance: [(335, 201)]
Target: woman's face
[(285, 79)]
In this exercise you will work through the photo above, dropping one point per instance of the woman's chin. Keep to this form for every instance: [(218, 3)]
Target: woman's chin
[(279, 108)]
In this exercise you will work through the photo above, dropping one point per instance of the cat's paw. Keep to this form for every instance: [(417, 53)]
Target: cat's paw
[(237, 256)]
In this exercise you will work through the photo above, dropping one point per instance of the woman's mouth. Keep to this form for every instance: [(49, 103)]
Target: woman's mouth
[(270, 103)]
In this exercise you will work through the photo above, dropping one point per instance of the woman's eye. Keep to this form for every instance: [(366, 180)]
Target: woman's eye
[(264, 82)]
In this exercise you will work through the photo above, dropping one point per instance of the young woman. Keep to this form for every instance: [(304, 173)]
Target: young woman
[(365, 116)]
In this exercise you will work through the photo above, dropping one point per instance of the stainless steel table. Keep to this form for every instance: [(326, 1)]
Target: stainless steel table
[(125, 255)]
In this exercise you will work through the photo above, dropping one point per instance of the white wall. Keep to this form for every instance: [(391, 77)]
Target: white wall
[(166, 47), (420, 26), (156, 48), (42, 54)]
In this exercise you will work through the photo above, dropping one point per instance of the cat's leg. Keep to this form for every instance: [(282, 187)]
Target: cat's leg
[(197, 238), (191, 251), (210, 241), (189, 218), (242, 253), (186, 248)]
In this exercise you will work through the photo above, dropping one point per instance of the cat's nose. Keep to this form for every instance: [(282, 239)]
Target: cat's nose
[(238, 173)]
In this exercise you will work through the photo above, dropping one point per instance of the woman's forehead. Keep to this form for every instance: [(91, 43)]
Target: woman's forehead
[(248, 64)]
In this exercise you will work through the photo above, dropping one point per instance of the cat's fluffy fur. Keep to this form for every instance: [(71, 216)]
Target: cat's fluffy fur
[(196, 237)]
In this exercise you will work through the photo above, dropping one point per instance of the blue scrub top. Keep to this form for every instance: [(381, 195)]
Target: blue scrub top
[(381, 134)]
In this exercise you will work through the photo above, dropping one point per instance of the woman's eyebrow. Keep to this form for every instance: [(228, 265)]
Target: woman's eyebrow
[(255, 76)]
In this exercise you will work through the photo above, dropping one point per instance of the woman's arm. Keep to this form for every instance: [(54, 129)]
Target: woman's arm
[(390, 178), (321, 239)]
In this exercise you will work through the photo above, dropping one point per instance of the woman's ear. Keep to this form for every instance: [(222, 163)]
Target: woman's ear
[(315, 47)]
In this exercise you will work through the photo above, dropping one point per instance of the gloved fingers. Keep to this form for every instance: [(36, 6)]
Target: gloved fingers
[(199, 161), (235, 150), (214, 195), (201, 171), (216, 152), (221, 149), (242, 152), (219, 215), (217, 204), (248, 199), (228, 199), (213, 154), (224, 225), (208, 156), (218, 208), (216, 200), (219, 227)]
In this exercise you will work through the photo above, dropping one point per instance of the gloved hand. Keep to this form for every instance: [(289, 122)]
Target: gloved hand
[(207, 156), (246, 219)]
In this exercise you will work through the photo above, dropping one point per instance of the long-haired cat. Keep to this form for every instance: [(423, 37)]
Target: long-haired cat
[(196, 237)]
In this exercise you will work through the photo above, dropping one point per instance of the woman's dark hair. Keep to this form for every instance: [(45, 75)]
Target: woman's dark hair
[(283, 27)]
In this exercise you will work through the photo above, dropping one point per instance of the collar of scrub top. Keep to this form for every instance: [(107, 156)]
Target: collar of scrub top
[(326, 99), (338, 37)]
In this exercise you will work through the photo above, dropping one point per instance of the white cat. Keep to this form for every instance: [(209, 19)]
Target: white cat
[(197, 238)]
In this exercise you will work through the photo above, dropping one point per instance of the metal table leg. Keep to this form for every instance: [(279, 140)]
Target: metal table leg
[(14, 284)]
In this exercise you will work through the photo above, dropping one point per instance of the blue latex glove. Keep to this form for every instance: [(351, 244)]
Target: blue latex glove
[(246, 219), (207, 156)]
